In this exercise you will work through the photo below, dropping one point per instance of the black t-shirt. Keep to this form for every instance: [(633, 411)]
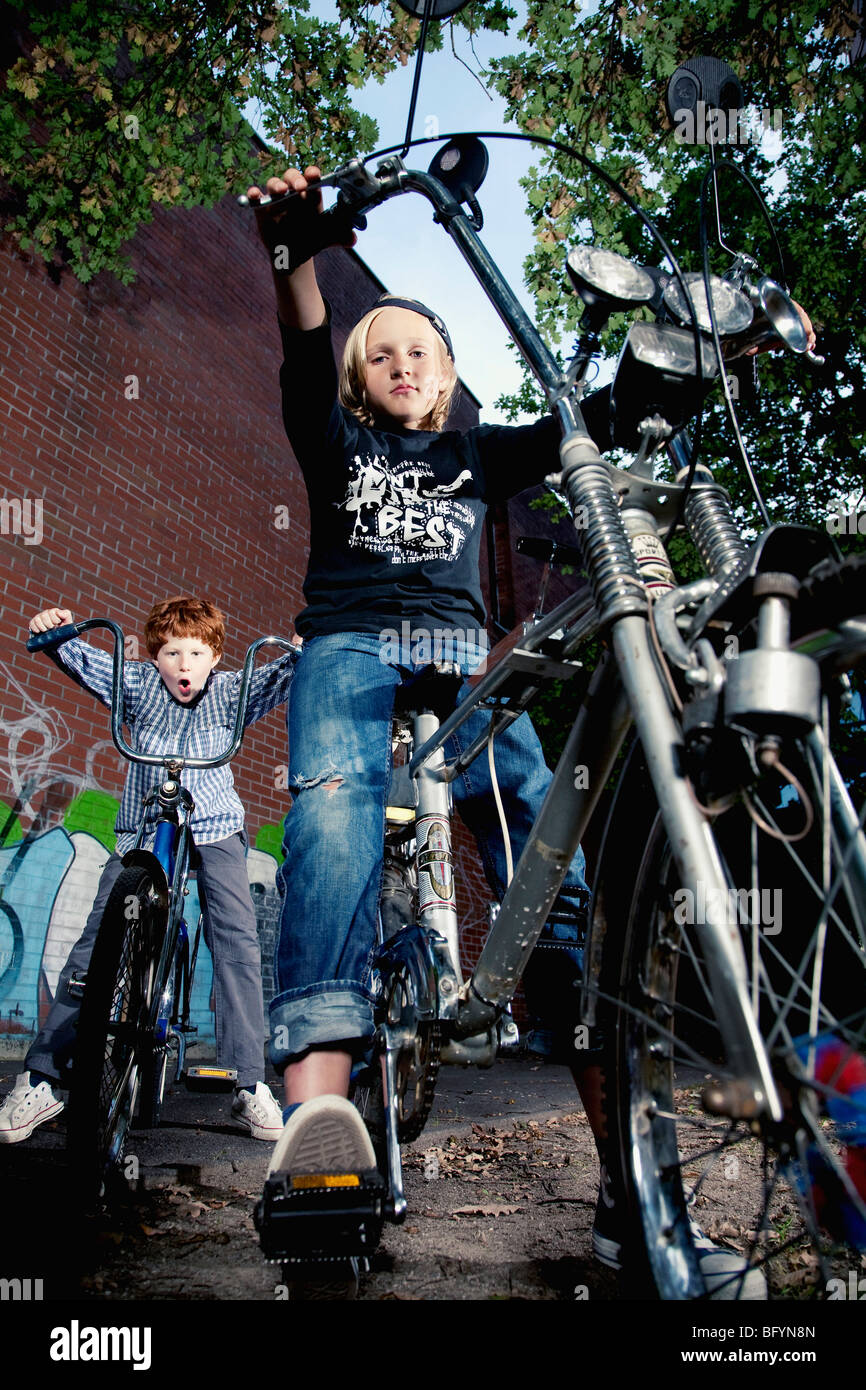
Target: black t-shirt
[(396, 515)]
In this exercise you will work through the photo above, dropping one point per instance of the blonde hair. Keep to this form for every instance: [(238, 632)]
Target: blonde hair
[(353, 375)]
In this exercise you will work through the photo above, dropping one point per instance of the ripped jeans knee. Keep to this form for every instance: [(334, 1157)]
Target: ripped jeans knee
[(329, 780)]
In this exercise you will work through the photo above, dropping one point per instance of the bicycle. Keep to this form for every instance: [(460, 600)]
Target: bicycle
[(735, 685), (135, 999)]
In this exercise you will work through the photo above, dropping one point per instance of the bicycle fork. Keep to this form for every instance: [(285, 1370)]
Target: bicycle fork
[(421, 964)]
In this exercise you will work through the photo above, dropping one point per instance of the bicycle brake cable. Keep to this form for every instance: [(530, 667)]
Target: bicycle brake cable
[(717, 346)]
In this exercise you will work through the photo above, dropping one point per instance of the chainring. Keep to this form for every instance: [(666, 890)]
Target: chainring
[(418, 1056)]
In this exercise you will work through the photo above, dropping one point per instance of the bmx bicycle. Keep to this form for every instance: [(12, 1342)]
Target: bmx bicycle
[(135, 1000)]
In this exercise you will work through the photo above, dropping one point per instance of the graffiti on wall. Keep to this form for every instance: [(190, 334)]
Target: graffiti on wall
[(56, 835)]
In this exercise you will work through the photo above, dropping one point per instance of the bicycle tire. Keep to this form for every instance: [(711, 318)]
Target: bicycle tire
[(114, 1030), (676, 1148)]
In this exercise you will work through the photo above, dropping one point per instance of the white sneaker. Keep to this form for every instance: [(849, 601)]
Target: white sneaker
[(258, 1112), (25, 1107), (727, 1274), (325, 1135)]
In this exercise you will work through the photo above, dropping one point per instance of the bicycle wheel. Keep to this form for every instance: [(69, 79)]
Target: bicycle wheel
[(789, 1196), (114, 1030)]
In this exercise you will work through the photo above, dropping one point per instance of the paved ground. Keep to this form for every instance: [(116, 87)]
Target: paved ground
[(482, 1161), (501, 1187)]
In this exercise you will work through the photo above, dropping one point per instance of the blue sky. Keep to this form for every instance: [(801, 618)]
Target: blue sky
[(414, 256)]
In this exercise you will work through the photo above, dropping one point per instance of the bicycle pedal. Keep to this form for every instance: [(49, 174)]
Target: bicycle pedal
[(317, 1218), (210, 1078)]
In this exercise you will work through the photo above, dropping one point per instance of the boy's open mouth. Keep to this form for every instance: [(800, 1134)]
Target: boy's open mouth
[(184, 685)]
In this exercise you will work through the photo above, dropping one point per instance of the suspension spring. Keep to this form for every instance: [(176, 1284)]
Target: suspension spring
[(714, 530), (610, 564)]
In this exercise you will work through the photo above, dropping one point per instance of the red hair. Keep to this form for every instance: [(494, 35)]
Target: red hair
[(185, 617)]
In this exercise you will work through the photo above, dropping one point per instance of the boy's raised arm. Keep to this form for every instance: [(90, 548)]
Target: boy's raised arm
[(270, 684), (299, 301), (90, 667)]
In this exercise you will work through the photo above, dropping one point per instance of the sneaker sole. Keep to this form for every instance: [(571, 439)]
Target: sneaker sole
[(16, 1136), (327, 1135), (256, 1131)]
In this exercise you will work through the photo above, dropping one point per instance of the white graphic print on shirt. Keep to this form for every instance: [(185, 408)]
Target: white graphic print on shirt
[(402, 512)]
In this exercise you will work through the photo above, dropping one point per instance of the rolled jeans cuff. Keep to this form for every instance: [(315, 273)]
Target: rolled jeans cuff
[(323, 1013)]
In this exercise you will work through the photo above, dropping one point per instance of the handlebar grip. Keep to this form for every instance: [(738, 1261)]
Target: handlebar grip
[(40, 641)]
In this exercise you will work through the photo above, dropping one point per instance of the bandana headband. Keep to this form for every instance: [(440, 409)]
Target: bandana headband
[(390, 301)]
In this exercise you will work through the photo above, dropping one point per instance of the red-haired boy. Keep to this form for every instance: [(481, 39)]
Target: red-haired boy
[(175, 700)]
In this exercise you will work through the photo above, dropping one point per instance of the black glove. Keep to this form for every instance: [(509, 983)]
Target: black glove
[(294, 229)]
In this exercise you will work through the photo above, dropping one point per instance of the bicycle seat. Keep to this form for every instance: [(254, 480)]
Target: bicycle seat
[(431, 689)]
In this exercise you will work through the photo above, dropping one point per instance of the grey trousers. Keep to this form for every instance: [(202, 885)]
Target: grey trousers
[(230, 933)]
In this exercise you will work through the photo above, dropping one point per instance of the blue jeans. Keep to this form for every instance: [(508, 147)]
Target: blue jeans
[(339, 770)]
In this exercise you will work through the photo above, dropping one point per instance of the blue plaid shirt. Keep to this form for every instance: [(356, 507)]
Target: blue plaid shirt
[(159, 724)]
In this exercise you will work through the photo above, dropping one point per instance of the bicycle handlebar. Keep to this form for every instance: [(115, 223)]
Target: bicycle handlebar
[(359, 190), (41, 641)]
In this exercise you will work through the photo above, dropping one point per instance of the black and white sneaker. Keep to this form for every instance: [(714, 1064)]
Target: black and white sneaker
[(727, 1274), (607, 1226)]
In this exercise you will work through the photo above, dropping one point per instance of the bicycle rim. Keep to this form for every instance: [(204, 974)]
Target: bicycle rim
[(788, 1197), (113, 1033)]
